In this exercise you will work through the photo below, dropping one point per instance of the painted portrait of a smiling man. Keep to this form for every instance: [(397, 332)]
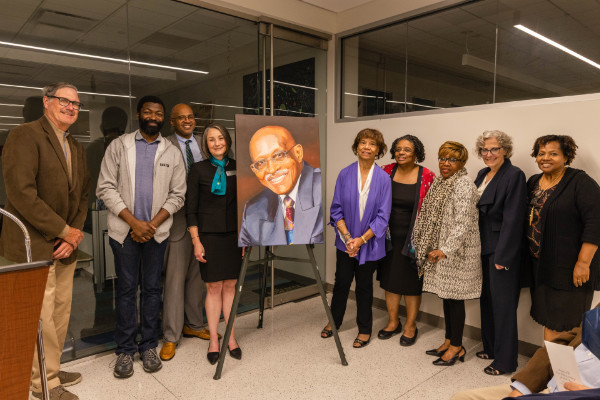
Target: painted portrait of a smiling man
[(287, 209)]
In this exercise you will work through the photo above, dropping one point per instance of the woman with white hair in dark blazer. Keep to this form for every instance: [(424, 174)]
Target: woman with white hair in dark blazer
[(502, 207)]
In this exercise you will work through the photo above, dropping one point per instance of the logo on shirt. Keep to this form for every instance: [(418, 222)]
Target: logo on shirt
[(164, 165)]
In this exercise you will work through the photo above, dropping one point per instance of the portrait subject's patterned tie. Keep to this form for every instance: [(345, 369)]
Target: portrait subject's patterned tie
[(288, 220), (188, 155)]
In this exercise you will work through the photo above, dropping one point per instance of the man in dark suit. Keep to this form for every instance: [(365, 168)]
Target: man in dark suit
[(183, 304), (47, 182), (289, 210)]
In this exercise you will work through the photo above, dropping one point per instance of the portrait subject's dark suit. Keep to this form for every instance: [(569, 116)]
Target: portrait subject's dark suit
[(263, 219), (184, 288), (502, 208)]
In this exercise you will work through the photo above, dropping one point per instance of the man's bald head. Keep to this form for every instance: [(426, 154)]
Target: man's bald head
[(276, 158), (182, 120)]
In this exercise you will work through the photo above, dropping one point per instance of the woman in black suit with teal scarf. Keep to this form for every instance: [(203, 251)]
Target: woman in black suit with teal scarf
[(502, 208)]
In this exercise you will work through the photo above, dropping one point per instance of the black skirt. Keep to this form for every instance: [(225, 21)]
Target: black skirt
[(223, 257), (557, 309)]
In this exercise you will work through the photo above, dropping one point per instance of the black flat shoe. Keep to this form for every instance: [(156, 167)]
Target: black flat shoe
[(409, 341), (483, 355), (492, 371), (383, 335), (213, 357), (235, 353), (435, 352), (443, 363)]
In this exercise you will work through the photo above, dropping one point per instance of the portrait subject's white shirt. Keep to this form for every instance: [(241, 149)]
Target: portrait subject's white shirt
[(293, 194)]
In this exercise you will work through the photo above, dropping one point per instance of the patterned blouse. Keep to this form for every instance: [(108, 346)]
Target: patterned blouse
[(534, 235)]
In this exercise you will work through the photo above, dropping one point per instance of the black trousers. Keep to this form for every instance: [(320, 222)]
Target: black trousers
[(454, 317), (499, 302), (346, 270)]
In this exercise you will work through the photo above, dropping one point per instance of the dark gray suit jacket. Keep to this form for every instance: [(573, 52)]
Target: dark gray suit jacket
[(179, 226), (262, 222)]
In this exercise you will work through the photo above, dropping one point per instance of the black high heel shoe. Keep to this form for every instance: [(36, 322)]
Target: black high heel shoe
[(235, 353), (443, 363), (213, 356), (435, 352)]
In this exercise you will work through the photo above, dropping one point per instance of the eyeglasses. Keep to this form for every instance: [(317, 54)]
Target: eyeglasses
[(277, 157), (182, 118), (494, 150), (450, 160), (64, 102), (407, 150)]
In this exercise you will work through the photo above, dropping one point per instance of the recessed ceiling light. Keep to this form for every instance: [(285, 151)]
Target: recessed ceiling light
[(557, 45), (119, 60)]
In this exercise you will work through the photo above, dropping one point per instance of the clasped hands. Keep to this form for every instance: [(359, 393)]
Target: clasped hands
[(353, 245), (64, 247), (142, 231)]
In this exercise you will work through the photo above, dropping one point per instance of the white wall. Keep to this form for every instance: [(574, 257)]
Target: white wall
[(578, 116)]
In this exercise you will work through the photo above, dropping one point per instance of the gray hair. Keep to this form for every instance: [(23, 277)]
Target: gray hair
[(52, 88), (503, 139)]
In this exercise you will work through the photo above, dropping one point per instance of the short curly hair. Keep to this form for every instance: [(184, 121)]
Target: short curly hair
[(417, 145), (503, 139), (454, 150), (374, 134), (566, 143)]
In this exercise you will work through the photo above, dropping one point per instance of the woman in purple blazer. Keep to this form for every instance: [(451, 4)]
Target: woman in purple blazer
[(360, 211)]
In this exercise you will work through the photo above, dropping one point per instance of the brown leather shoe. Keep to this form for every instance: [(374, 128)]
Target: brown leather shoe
[(202, 334), (69, 378), (167, 351), (57, 393)]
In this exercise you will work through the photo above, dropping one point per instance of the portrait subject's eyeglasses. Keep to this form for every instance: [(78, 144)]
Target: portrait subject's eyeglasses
[(276, 157), (493, 150), (450, 160), (64, 102)]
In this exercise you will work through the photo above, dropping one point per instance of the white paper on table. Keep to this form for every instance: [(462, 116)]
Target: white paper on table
[(563, 363)]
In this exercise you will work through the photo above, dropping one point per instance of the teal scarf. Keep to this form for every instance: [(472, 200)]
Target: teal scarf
[(219, 184)]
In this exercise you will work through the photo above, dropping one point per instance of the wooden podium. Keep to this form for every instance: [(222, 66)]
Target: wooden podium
[(21, 293)]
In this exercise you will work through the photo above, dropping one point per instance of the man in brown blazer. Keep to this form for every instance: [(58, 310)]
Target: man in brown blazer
[(46, 181), (183, 297)]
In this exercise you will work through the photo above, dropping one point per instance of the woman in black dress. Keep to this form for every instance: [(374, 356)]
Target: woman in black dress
[(211, 204), (397, 272), (563, 232)]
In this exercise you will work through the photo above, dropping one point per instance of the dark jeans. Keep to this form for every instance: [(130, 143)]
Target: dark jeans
[(137, 264), (346, 269), (454, 317)]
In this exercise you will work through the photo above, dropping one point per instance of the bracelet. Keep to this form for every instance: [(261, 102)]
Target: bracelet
[(363, 238), (195, 237)]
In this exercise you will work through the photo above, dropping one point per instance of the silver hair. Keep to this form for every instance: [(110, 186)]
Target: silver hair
[(52, 88), (503, 139)]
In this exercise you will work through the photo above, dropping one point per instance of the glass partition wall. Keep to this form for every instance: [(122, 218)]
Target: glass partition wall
[(116, 52), (479, 52)]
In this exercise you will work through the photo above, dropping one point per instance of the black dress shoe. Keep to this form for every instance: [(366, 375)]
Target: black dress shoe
[(235, 353), (435, 352), (409, 341), (383, 335), (213, 357), (443, 363)]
